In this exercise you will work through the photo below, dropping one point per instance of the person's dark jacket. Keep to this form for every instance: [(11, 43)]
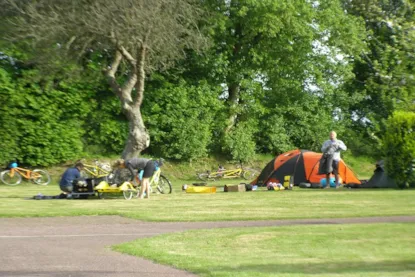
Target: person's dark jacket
[(69, 176), (326, 161)]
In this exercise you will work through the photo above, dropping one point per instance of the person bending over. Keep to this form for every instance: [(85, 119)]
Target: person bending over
[(139, 164)]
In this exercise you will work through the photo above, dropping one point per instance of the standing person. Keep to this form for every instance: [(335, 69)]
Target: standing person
[(140, 164), (331, 153), (70, 175)]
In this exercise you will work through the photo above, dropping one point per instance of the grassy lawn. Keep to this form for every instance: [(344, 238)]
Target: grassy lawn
[(179, 206), (314, 250), (306, 250)]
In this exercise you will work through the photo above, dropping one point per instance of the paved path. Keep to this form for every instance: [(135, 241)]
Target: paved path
[(79, 246)]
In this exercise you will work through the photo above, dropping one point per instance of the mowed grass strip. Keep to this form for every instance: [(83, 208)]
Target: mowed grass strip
[(313, 250), (179, 206)]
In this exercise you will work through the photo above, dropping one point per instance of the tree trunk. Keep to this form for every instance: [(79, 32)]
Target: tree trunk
[(233, 102), (138, 137)]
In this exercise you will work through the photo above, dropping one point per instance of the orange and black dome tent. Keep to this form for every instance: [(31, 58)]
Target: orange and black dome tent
[(303, 165)]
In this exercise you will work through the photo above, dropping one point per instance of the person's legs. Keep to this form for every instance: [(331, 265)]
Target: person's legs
[(68, 190), (336, 172), (144, 188), (145, 183), (327, 181)]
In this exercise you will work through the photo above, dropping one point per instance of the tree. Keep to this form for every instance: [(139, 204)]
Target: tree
[(138, 36), (385, 72), (269, 42), (182, 118)]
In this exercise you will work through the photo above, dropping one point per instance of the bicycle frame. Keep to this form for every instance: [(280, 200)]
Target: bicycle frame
[(231, 173), (95, 170), (239, 172), (25, 173), (153, 180)]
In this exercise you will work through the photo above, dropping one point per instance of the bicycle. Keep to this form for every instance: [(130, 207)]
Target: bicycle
[(13, 176), (97, 170), (246, 173), (158, 180)]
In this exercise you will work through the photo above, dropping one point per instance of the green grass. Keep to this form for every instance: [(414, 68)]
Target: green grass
[(179, 206), (312, 250)]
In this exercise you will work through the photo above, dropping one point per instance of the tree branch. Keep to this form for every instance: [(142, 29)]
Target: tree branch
[(127, 55), (141, 57), (130, 83), (110, 73), (71, 40)]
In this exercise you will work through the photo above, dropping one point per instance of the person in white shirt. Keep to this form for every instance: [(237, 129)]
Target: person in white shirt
[(333, 146)]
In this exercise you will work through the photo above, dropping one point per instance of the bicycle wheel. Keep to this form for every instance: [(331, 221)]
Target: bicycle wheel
[(164, 185), (206, 177), (40, 177), (10, 180), (128, 194), (248, 174)]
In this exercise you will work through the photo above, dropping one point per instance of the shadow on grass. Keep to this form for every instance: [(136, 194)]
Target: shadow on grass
[(323, 268)]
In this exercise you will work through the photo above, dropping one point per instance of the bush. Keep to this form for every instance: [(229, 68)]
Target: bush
[(240, 142), (399, 147), (181, 119), (42, 124)]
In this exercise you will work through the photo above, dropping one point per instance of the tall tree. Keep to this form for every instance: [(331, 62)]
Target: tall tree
[(282, 64), (269, 41), (385, 73), (139, 35)]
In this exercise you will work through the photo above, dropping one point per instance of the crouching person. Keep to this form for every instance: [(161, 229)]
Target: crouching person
[(68, 177)]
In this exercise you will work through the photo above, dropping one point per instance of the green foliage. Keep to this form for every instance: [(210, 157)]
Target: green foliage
[(9, 144), (399, 147), (182, 120), (384, 72), (42, 122), (299, 69), (273, 137), (240, 142), (289, 59), (361, 142), (107, 127)]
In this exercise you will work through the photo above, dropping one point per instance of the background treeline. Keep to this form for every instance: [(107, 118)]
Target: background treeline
[(276, 75)]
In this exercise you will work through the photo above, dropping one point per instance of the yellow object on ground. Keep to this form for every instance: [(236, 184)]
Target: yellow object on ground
[(201, 190), (279, 188), (105, 187), (102, 185)]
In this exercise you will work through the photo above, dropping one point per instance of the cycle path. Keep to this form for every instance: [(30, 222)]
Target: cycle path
[(80, 246)]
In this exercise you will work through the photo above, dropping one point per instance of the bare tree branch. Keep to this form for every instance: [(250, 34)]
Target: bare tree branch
[(110, 73), (127, 56)]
